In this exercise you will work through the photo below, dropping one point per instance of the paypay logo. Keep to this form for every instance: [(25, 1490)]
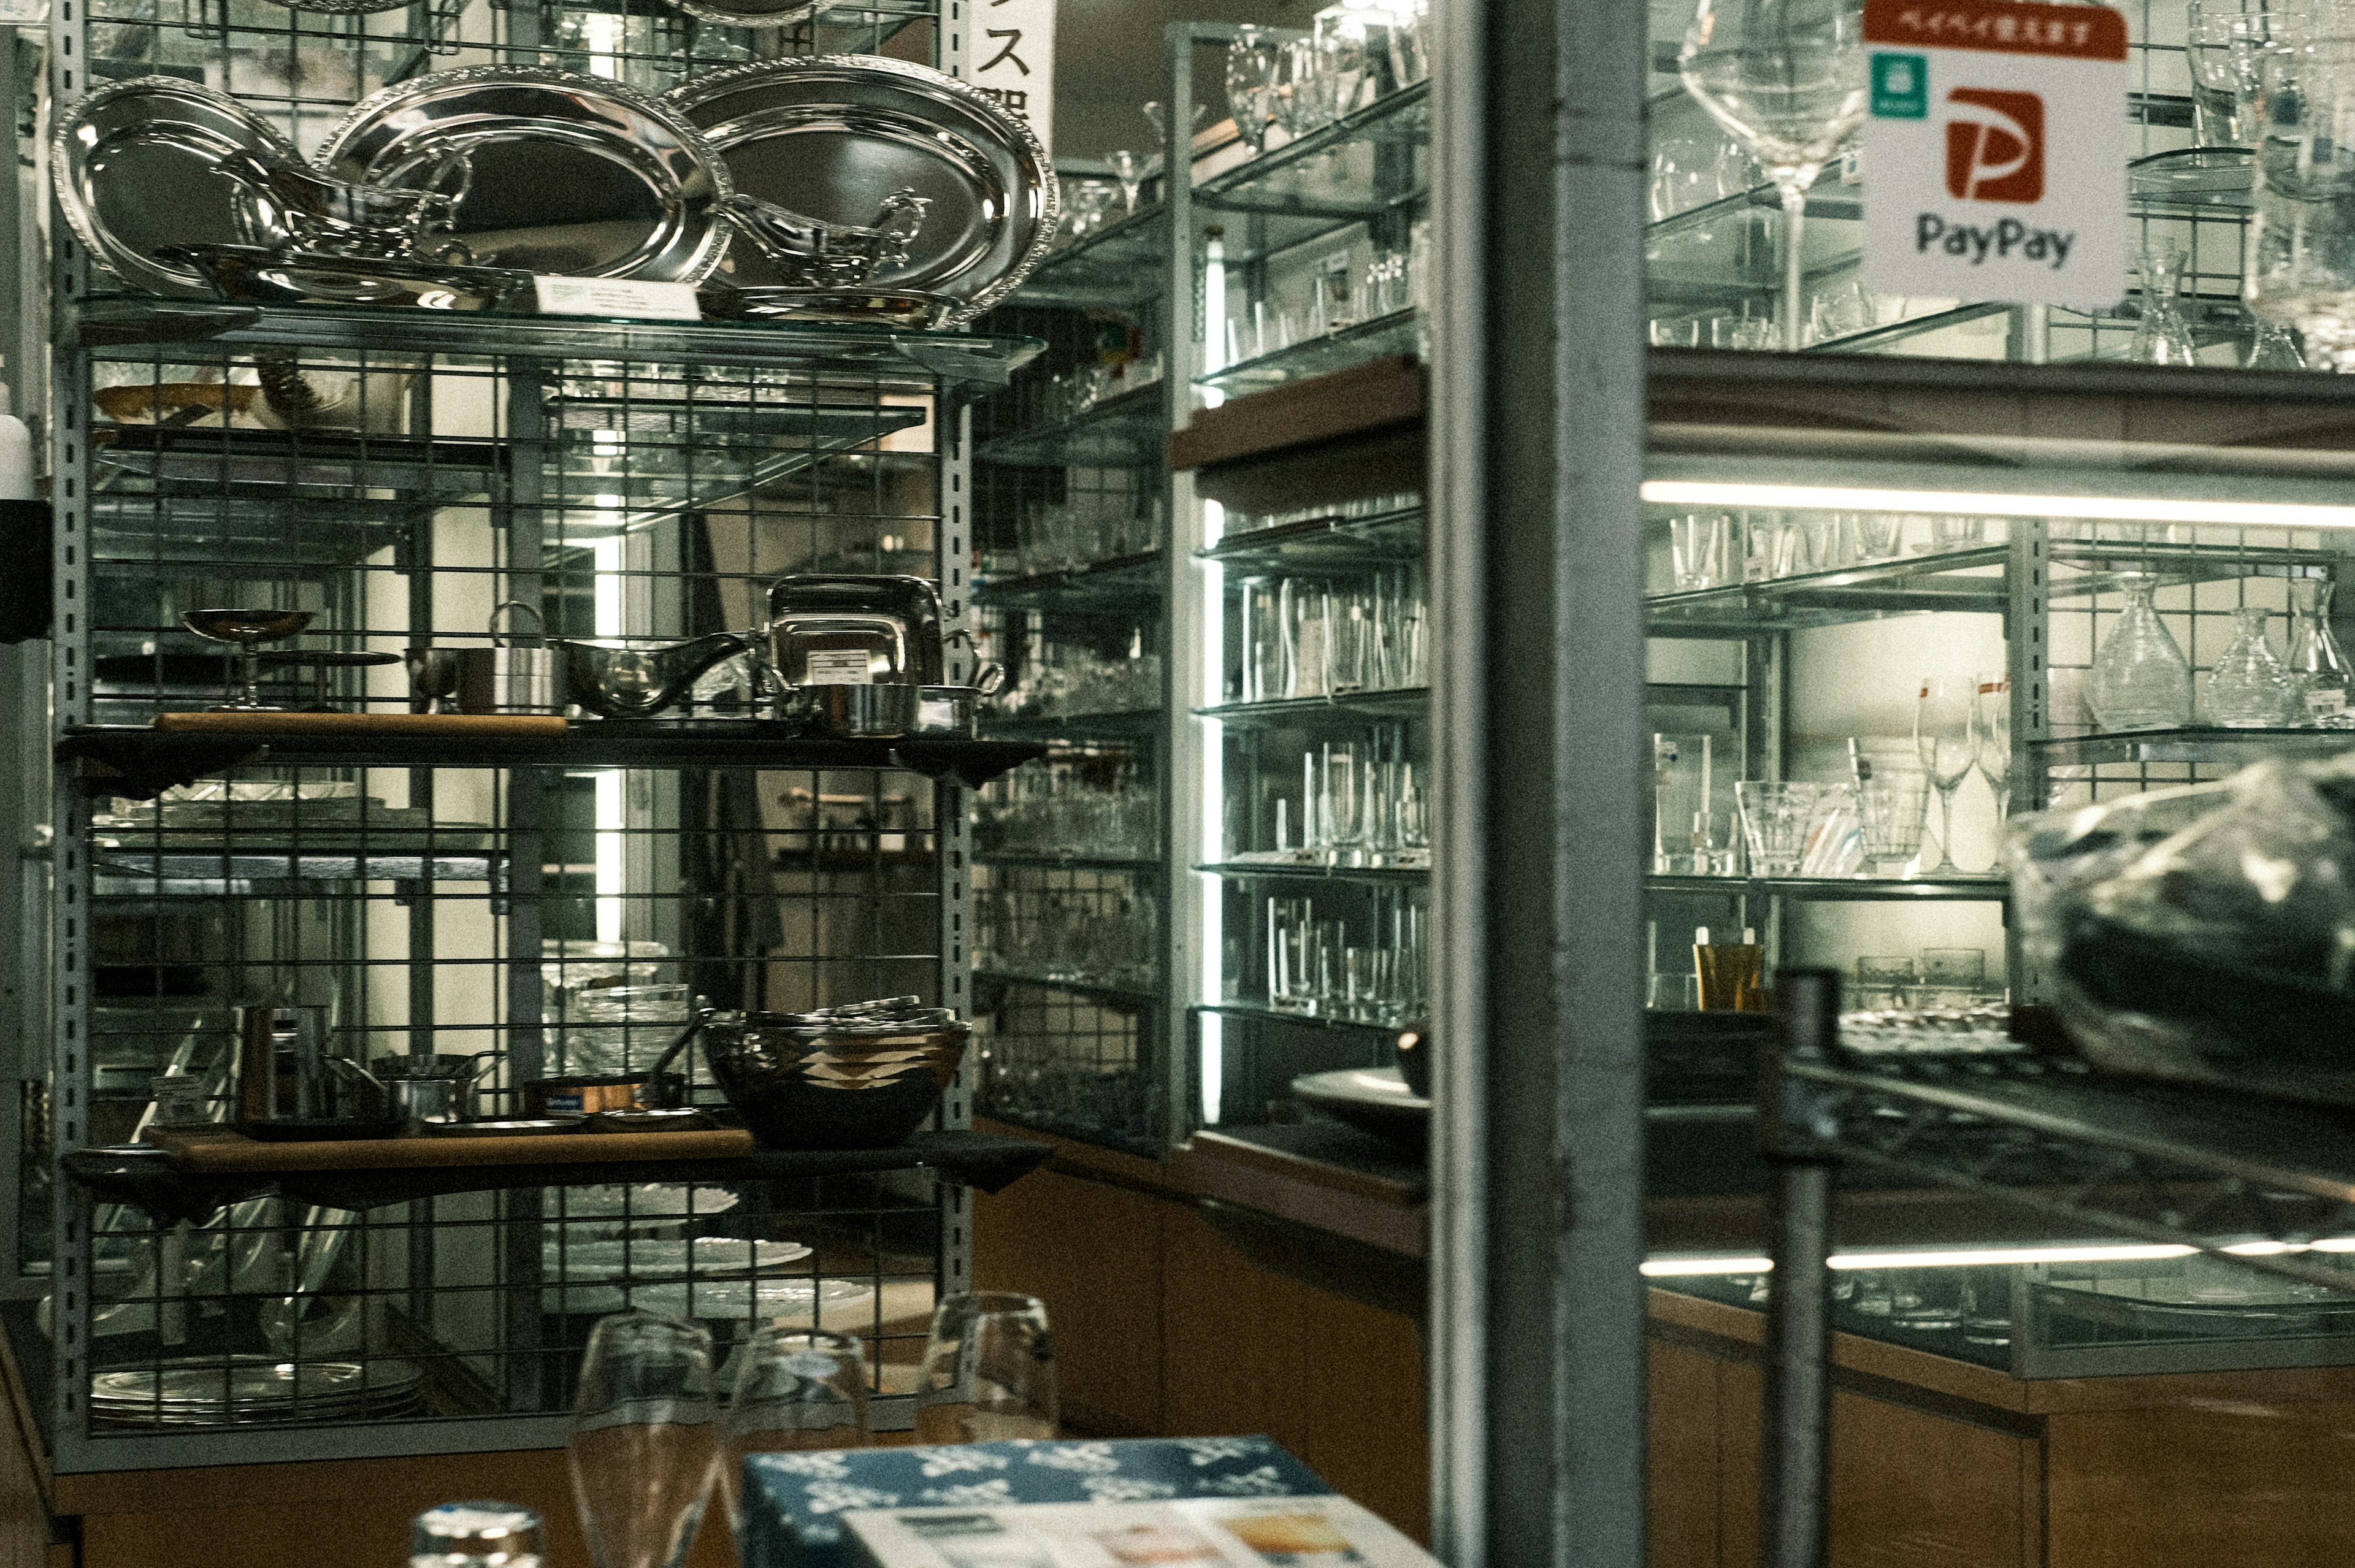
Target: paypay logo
[(1995, 145)]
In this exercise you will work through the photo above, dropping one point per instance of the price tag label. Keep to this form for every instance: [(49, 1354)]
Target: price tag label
[(1994, 154), (628, 297)]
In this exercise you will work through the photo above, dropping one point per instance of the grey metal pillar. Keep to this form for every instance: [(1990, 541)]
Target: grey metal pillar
[(1794, 1529), (1538, 1369)]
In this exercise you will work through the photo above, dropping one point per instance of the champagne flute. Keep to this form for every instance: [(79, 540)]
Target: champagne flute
[(1787, 79), (988, 1373), (1945, 734), (1128, 168), (645, 1439), (796, 1388), (1994, 727)]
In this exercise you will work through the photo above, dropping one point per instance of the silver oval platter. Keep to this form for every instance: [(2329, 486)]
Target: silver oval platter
[(133, 164), (834, 138), (572, 174), (749, 12)]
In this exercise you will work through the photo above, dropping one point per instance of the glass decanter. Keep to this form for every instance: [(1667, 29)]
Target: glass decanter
[(2141, 679), (2317, 671), (2163, 334), (2249, 687)]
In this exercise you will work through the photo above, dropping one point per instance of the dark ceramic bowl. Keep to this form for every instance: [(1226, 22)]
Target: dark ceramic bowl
[(836, 1084)]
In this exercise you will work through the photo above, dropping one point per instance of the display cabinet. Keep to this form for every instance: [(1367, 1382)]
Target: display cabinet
[(549, 902)]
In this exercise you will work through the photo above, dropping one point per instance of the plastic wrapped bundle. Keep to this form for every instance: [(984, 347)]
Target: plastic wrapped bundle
[(2204, 933)]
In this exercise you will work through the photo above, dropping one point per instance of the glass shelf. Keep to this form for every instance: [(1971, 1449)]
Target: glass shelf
[(1134, 995), (1399, 332), (1954, 580), (1130, 430), (106, 321), (1361, 167), (1312, 871), (1314, 542), (1118, 265), (1057, 726), (2236, 748), (1063, 862), (1406, 702), (1853, 890), (1103, 587), (140, 873), (1310, 1021)]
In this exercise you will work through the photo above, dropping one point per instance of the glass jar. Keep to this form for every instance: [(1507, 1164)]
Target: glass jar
[(2141, 679), (2248, 689), (2317, 671)]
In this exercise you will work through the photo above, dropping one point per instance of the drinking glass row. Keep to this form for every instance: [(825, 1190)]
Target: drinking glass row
[(1307, 638), (1337, 296), (1712, 550), (1358, 808), (1075, 810), (1373, 972), (651, 1435), (1072, 936), (1070, 535), (1065, 680), (1281, 88)]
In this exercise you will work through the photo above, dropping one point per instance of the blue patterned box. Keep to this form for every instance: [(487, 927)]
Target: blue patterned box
[(792, 1501)]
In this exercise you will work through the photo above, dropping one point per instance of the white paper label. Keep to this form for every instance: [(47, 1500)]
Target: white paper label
[(1013, 52), (630, 297), (1995, 156), (180, 1099), (840, 667)]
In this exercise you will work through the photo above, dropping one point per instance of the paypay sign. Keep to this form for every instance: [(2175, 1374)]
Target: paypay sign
[(1995, 151)]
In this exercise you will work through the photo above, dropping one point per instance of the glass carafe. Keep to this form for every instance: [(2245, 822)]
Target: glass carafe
[(2141, 680), (2248, 689), (2317, 673), (2163, 334)]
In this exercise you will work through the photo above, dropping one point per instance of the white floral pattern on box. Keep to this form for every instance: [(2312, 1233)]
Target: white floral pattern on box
[(792, 1500)]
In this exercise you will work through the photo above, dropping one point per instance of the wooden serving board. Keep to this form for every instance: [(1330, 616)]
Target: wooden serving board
[(209, 1152), (452, 726)]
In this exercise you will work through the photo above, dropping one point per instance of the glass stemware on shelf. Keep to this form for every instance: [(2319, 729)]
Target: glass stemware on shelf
[(2162, 333), (1129, 169), (795, 1389), (245, 629), (1993, 727), (1320, 965), (2320, 694), (2140, 679), (1786, 79), (1256, 60), (645, 1439), (1946, 737), (2248, 688)]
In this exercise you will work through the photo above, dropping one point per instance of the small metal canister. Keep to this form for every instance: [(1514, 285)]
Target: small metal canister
[(518, 675)]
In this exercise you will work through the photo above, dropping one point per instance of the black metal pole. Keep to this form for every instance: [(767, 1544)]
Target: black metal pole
[(1794, 1479)]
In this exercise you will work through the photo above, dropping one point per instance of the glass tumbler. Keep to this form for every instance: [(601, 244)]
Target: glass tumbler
[(1774, 818), (1697, 546), (1890, 809), (796, 1388), (1304, 610), (988, 1373)]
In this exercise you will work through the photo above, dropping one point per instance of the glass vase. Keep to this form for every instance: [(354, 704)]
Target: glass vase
[(2249, 687), (2141, 679), (2163, 334), (2317, 671)]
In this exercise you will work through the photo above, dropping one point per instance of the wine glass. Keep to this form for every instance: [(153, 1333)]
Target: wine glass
[(1128, 168), (988, 1373), (1787, 79), (645, 1439), (1254, 73), (1993, 726), (245, 628), (1945, 734), (796, 1388)]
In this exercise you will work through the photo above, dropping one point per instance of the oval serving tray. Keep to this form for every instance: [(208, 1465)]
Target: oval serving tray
[(134, 163), (576, 175), (831, 136)]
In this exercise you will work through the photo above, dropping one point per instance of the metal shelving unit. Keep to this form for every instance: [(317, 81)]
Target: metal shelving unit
[(553, 902)]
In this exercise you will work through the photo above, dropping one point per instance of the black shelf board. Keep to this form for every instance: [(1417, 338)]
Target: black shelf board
[(135, 757), (983, 1160), (1062, 863)]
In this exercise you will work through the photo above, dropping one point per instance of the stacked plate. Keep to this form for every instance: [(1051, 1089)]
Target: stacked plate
[(248, 1390), (706, 1257)]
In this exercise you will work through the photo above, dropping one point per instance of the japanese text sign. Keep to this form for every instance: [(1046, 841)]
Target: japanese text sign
[(1013, 51), (1995, 156)]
